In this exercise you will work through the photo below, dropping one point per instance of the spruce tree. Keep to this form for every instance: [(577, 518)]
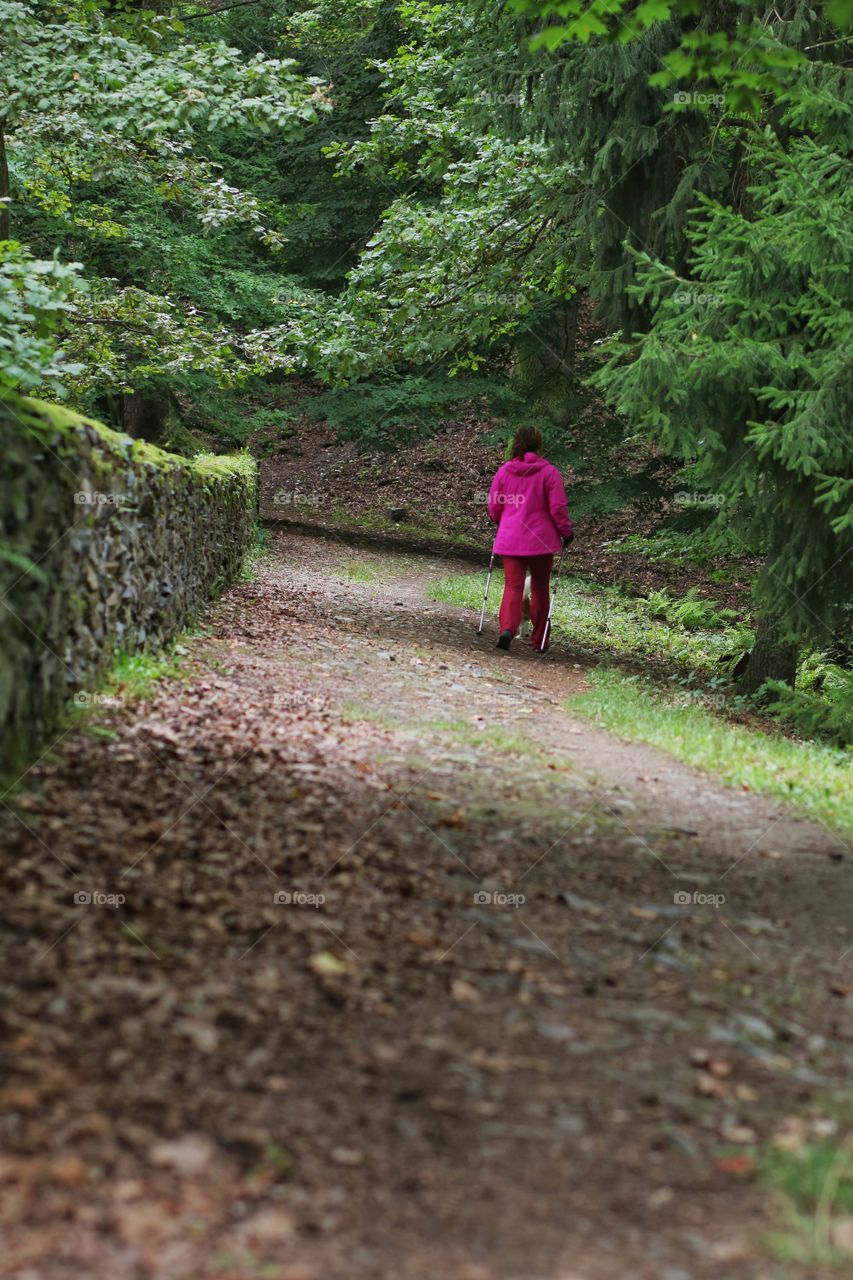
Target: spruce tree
[(747, 370)]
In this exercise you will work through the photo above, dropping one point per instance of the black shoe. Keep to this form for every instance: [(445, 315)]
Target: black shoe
[(504, 640)]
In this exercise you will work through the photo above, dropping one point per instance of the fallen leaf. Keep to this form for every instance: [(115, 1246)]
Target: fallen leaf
[(733, 1131), (454, 819), (707, 1086), (327, 965), (735, 1164), (719, 1067), (268, 1226), (189, 1154), (69, 1170), (578, 903), (346, 1155)]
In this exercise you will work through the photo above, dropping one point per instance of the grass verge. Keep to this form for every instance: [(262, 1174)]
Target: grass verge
[(814, 779), (815, 1184)]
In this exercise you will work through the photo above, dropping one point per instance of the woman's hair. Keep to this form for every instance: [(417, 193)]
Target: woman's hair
[(526, 440)]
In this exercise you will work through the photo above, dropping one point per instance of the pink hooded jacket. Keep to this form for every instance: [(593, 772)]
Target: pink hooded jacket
[(527, 502)]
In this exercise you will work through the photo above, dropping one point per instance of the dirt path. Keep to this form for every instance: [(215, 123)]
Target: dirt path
[(418, 1078)]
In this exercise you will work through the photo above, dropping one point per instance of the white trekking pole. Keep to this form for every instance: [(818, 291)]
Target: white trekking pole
[(547, 630), (486, 595)]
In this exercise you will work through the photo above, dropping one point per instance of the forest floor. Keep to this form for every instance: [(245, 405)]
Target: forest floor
[(404, 1072)]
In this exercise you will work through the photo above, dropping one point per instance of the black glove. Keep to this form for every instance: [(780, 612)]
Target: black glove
[(570, 537)]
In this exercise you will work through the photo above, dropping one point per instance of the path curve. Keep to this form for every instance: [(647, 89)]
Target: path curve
[(420, 1076)]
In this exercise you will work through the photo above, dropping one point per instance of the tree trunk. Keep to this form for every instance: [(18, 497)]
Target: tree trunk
[(545, 362), (771, 659), (143, 415), (5, 216)]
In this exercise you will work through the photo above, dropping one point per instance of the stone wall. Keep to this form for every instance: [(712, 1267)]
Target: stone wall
[(106, 544)]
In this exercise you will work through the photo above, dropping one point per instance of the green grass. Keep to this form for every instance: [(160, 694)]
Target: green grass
[(495, 738), (600, 620), (258, 551), (135, 674), (358, 571), (358, 711), (815, 779), (816, 1184)]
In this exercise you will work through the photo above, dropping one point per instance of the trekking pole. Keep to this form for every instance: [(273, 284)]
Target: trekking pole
[(486, 595), (547, 630)]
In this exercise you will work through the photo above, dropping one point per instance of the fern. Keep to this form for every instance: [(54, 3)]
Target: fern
[(690, 612), (825, 710)]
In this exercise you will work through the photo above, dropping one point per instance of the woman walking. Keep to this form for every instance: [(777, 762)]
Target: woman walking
[(527, 502)]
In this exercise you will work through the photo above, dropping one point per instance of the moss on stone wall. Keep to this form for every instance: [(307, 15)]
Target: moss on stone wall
[(107, 544)]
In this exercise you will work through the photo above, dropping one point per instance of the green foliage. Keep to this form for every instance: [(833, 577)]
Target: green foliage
[(383, 412), (745, 58), (136, 675), (107, 111), (756, 383), (822, 703), (27, 567), (133, 77), (125, 338), (408, 203), (438, 281), (35, 295), (230, 415)]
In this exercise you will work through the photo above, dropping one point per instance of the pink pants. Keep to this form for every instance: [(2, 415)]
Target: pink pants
[(515, 567)]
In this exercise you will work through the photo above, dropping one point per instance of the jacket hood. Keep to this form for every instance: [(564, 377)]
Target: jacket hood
[(526, 466)]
